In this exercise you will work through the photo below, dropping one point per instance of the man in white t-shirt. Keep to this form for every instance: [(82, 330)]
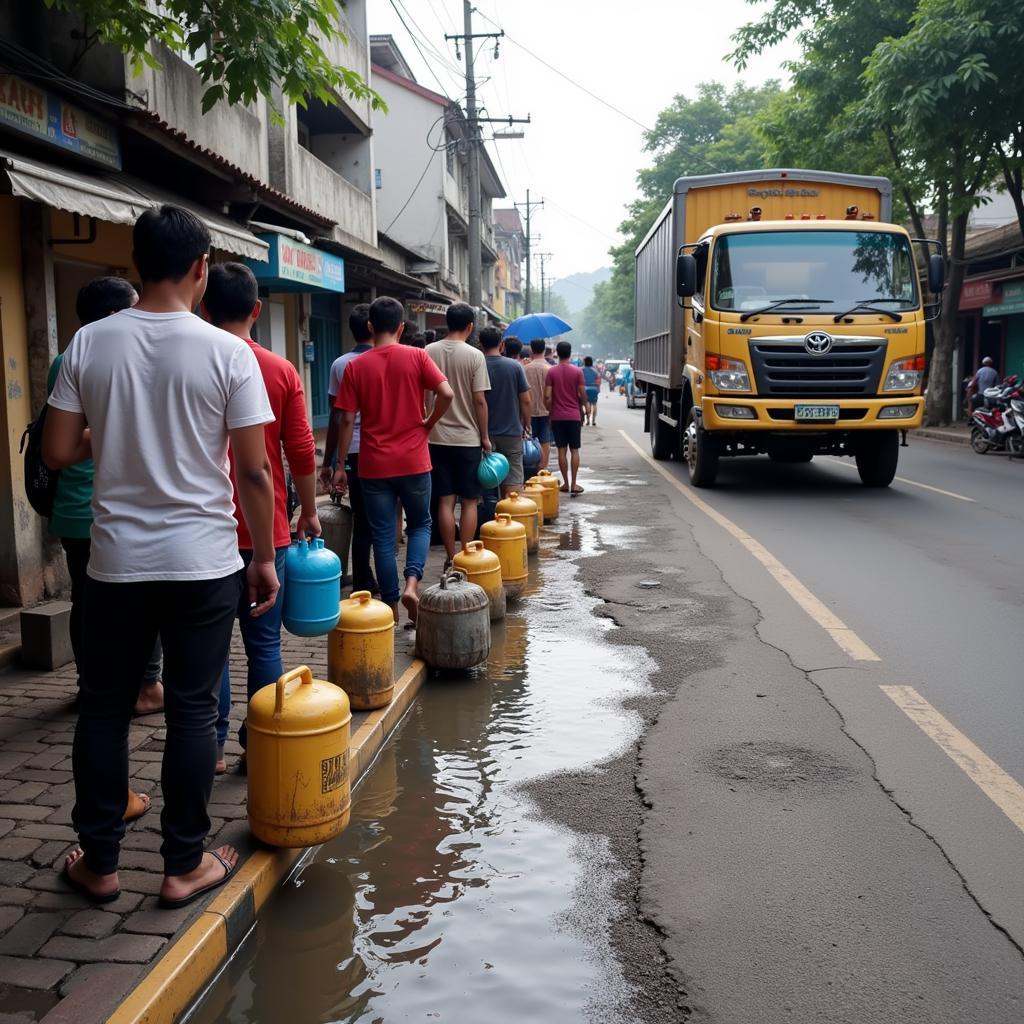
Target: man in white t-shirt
[(155, 395), (362, 540)]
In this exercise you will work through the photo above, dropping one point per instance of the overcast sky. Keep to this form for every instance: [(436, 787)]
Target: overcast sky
[(578, 155)]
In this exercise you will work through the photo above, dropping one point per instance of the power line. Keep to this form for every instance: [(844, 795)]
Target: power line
[(415, 42), (571, 81), (415, 189), (441, 56)]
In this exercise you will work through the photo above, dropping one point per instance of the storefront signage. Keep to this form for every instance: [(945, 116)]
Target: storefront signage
[(427, 307), (975, 294), (292, 263), (1013, 300), (48, 118)]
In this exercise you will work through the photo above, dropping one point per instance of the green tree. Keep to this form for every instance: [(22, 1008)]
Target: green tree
[(245, 48), (715, 131), (927, 92)]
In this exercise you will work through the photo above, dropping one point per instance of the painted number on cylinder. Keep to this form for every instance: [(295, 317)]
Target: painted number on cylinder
[(333, 773)]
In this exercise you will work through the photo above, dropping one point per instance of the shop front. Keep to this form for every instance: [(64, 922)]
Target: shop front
[(429, 315), (302, 288)]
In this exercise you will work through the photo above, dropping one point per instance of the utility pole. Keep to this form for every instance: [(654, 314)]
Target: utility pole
[(528, 206), (543, 257), (474, 121)]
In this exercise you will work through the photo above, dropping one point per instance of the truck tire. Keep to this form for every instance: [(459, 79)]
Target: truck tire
[(700, 451), (877, 454), (661, 438)]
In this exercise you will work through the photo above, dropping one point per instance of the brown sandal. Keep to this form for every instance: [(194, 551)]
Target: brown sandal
[(138, 805)]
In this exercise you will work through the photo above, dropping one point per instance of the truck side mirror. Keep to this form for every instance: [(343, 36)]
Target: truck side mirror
[(686, 275), (936, 273)]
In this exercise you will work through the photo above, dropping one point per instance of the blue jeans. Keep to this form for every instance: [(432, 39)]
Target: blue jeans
[(262, 639), (379, 497)]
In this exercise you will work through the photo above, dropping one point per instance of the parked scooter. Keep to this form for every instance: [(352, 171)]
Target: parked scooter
[(998, 424)]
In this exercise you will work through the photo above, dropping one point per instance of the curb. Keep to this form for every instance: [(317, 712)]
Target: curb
[(193, 960), (949, 436), (10, 655)]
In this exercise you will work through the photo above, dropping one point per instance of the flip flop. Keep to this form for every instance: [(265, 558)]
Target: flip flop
[(144, 799), (575, 491), (80, 887), (229, 870), (564, 489)]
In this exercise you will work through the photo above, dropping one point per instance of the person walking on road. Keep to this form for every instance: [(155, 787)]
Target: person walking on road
[(232, 303), (508, 406), (461, 435), (385, 387), (566, 397), (537, 370), (985, 377), (362, 542), (156, 395), (71, 520), (592, 384)]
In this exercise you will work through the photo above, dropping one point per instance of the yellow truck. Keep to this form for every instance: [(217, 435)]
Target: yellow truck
[(779, 312)]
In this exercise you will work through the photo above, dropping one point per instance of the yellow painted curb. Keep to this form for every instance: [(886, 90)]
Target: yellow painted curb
[(190, 964)]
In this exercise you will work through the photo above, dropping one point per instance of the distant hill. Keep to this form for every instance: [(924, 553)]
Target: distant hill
[(577, 289)]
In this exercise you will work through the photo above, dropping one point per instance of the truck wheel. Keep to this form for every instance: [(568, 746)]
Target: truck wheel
[(877, 455), (661, 439), (700, 450)]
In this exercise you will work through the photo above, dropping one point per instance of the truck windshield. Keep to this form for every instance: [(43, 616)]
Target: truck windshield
[(850, 268)]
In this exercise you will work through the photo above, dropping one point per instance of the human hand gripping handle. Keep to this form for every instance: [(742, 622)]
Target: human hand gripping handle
[(340, 481), (263, 584)]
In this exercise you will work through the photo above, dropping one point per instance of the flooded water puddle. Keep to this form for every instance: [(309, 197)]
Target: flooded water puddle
[(449, 897)]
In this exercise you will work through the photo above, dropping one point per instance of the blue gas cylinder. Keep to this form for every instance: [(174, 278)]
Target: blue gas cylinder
[(312, 591), (531, 453)]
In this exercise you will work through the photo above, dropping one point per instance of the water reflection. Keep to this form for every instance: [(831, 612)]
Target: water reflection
[(447, 895)]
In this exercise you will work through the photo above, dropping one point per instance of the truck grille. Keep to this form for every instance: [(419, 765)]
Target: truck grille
[(783, 368)]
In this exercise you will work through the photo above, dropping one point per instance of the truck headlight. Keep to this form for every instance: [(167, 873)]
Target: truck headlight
[(728, 374), (905, 374)]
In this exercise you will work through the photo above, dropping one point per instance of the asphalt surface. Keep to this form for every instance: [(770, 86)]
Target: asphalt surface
[(807, 852)]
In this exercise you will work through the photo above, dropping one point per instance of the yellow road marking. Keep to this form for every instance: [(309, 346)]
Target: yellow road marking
[(913, 483), (844, 637), (1001, 788)]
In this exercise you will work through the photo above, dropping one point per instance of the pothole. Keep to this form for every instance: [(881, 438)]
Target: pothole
[(775, 766)]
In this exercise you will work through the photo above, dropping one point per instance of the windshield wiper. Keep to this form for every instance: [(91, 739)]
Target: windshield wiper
[(744, 317), (866, 307)]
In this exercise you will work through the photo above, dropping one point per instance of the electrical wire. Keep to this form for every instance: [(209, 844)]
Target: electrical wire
[(415, 189), (423, 57)]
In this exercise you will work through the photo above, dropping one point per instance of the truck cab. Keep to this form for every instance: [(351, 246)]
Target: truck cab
[(798, 334)]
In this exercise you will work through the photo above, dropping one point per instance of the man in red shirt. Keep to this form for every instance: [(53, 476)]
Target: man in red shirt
[(566, 394), (232, 303), (386, 386)]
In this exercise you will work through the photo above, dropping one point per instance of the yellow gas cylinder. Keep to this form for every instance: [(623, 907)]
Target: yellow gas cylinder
[(297, 758), (523, 510), (361, 652), (508, 541), (535, 492), (483, 568), (550, 484)]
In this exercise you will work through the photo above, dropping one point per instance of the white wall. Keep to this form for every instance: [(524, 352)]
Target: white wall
[(402, 154)]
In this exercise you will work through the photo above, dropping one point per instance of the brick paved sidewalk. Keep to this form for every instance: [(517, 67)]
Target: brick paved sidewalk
[(61, 959)]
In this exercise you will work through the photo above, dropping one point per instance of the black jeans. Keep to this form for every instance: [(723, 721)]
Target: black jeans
[(76, 553), (362, 539), (122, 620)]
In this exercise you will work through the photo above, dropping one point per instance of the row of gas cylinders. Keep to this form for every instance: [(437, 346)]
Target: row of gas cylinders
[(298, 728)]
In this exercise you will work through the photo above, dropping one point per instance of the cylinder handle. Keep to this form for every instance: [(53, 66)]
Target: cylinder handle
[(361, 597), (474, 545), (503, 517), (452, 576), (302, 672)]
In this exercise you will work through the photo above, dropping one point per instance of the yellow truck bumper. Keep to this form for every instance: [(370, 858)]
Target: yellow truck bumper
[(777, 414)]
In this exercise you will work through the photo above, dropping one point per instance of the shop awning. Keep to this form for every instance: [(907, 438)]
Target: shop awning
[(116, 199)]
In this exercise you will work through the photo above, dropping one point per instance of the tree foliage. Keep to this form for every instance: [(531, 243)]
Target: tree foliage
[(242, 49), (715, 131)]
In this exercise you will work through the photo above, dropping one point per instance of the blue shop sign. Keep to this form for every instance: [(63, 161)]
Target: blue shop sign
[(296, 267), (31, 111)]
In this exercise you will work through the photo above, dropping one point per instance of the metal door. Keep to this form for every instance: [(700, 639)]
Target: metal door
[(325, 333)]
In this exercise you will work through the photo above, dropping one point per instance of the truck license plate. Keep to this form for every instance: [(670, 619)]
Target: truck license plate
[(816, 412)]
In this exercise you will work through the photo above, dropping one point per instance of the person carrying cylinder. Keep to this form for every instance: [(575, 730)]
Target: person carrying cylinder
[(385, 387), (232, 303)]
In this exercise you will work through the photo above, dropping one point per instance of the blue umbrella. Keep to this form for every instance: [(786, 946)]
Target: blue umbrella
[(537, 325)]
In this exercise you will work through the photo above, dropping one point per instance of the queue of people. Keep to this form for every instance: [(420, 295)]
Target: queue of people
[(171, 431)]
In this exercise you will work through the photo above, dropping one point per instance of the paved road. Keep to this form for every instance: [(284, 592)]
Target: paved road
[(904, 851)]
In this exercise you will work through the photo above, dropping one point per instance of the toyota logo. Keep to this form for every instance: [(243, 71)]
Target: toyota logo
[(818, 343)]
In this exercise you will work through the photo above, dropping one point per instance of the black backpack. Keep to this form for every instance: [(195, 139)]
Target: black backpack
[(40, 480)]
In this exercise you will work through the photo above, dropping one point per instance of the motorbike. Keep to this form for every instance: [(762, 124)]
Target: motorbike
[(998, 424)]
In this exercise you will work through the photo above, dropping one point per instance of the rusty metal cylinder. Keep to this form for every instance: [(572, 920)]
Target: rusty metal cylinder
[(361, 652), (453, 625)]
